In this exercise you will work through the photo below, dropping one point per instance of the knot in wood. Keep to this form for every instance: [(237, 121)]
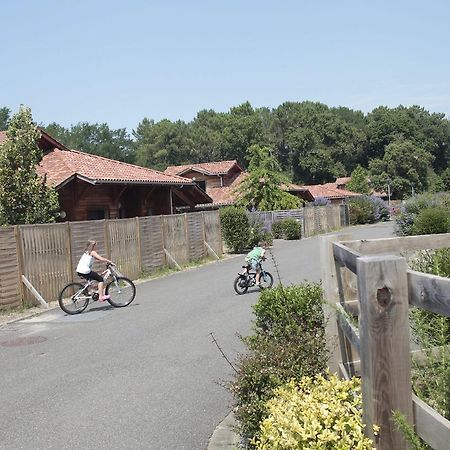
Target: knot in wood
[(383, 297)]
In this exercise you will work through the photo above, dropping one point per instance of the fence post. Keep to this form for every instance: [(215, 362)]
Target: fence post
[(139, 249), (19, 262), (69, 250), (329, 275), (385, 346)]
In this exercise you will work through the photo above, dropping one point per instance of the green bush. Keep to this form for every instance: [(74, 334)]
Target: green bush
[(432, 333), (316, 414), (235, 228), (411, 208), (293, 309), (289, 342), (256, 232), (361, 210), (269, 363), (288, 228), (434, 220), (277, 229), (292, 228)]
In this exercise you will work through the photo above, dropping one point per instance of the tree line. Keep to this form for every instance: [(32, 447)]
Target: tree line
[(407, 148)]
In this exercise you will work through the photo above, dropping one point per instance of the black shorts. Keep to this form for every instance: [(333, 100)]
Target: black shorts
[(91, 276)]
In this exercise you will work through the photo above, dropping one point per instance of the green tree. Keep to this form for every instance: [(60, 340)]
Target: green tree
[(404, 166), (162, 144), (24, 196), (97, 139), (445, 176), (359, 181), (4, 118), (262, 189)]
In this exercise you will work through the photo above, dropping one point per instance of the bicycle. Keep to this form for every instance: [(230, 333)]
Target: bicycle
[(247, 279), (75, 297)]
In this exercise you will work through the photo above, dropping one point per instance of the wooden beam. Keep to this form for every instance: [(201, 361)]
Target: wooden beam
[(36, 294), (385, 347), (433, 428), (345, 256), (429, 292), (398, 244), (351, 332)]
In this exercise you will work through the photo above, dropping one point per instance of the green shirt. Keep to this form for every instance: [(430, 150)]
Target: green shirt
[(255, 255)]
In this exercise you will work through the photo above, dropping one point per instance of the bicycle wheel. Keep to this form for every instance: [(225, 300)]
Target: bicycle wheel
[(72, 299), (266, 280), (240, 285), (121, 291)]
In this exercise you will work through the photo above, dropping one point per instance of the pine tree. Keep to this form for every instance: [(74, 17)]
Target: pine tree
[(24, 196), (262, 189)]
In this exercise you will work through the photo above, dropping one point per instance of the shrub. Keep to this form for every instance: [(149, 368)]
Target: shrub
[(288, 228), (410, 209), (293, 309), (235, 228), (269, 363), (256, 231), (434, 220), (317, 413), (432, 332), (321, 201), (292, 228), (289, 342), (381, 209), (277, 229), (362, 210)]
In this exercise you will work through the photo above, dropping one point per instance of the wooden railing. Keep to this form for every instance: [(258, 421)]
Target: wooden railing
[(369, 280)]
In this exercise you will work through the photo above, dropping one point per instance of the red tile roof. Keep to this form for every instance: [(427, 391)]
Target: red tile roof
[(329, 190), (209, 168), (226, 195), (62, 165)]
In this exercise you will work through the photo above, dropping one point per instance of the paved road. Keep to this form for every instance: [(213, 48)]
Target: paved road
[(143, 377)]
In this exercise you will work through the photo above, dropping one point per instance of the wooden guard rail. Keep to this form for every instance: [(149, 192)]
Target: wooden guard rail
[(368, 278)]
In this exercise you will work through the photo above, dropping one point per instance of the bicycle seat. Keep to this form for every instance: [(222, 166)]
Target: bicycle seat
[(245, 267)]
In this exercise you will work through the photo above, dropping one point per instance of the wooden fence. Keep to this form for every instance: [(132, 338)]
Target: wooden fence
[(314, 219), (369, 281), (47, 255)]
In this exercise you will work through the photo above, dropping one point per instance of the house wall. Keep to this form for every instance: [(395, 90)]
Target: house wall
[(213, 181), (79, 200)]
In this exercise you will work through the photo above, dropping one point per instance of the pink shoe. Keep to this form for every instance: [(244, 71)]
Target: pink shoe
[(105, 297)]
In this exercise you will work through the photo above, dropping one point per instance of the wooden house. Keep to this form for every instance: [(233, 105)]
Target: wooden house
[(93, 187)]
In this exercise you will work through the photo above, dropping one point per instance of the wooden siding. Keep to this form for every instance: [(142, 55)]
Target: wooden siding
[(9, 268)]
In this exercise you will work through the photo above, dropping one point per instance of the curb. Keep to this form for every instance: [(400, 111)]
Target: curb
[(224, 437)]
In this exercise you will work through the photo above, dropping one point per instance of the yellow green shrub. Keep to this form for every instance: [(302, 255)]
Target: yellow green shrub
[(319, 413)]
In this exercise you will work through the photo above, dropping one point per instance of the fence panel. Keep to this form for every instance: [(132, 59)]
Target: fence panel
[(152, 243), (196, 236), (10, 294), (124, 246), (213, 235), (175, 237), (45, 250), (80, 234)]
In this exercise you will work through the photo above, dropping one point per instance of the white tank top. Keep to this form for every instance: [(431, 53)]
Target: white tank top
[(85, 263)]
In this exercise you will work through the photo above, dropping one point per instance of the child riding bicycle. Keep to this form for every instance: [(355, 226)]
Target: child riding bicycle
[(254, 258), (84, 268)]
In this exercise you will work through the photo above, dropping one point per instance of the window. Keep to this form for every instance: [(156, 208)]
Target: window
[(97, 214)]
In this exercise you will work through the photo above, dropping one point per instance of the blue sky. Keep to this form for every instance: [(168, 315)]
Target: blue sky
[(118, 62)]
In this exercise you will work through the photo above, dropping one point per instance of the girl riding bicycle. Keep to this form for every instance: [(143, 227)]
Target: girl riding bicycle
[(84, 268)]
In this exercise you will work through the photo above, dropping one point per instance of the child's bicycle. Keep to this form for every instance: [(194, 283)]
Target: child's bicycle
[(247, 278), (75, 297)]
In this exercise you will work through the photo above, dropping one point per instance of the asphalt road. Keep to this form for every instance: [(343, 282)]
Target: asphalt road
[(143, 377)]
